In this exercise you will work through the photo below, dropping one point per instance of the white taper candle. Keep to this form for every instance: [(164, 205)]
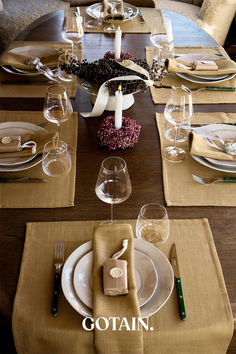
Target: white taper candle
[(118, 43), (118, 108)]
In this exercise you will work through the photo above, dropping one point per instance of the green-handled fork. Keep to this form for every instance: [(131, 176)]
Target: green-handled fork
[(213, 180), (58, 263)]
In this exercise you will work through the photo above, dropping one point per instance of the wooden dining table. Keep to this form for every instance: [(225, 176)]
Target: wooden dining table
[(143, 161)]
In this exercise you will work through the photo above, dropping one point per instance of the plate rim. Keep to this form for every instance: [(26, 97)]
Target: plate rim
[(76, 286), (182, 75), (77, 304), (124, 4)]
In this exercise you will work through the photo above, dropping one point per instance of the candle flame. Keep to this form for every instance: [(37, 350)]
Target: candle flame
[(119, 88), (118, 28)]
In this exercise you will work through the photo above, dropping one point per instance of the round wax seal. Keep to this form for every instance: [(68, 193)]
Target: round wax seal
[(6, 140), (116, 272)]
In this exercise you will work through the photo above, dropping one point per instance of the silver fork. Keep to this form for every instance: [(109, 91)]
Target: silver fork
[(58, 264), (213, 180)]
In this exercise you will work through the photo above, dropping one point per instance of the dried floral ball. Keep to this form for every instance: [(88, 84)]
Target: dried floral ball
[(122, 138), (123, 56)]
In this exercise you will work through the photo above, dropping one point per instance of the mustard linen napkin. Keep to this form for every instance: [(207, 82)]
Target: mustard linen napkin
[(179, 187), (20, 61), (119, 11), (107, 240), (200, 147), (40, 139), (224, 67), (208, 328)]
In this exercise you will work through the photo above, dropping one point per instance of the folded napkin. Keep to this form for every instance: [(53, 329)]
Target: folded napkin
[(40, 139), (139, 3), (119, 10), (181, 66), (200, 147), (107, 240), (20, 61)]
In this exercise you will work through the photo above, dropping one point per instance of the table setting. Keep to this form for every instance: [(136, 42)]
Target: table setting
[(143, 279)]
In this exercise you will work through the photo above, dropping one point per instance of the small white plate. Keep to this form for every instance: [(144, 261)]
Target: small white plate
[(8, 164), (161, 264), (145, 275)]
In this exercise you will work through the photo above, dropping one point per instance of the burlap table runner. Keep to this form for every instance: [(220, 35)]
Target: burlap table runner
[(209, 323), (161, 95), (58, 192), (35, 89), (132, 26), (107, 240), (179, 187)]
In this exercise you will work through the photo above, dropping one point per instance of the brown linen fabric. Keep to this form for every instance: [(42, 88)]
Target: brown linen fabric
[(119, 15), (179, 187), (193, 2), (107, 240), (58, 192), (142, 3), (209, 318), (200, 147), (34, 89), (161, 95)]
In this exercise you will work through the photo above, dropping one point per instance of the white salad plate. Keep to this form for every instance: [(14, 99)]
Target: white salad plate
[(95, 10), (201, 79), (145, 275), (226, 132), (30, 50), (161, 264), (8, 164)]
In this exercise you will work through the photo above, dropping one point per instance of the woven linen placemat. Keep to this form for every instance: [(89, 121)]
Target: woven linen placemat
[(161, 95), (179, 187), (35, 90), (209, 322), (58, 192), (131, 26)]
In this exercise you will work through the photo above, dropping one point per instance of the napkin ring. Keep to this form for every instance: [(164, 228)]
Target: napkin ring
[(13, 143)]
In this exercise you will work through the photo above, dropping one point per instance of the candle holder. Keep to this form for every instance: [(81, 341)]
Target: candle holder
[(123, 138)]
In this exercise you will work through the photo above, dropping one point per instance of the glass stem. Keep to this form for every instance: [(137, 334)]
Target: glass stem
[(112, 213), (58, 133), (72, 48), (176, 135)]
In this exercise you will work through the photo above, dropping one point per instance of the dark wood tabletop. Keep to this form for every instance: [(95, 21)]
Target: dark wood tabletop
[(143, 161)]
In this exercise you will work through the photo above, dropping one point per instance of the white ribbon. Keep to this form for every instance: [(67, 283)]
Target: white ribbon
[(119, 253), (103, 92)]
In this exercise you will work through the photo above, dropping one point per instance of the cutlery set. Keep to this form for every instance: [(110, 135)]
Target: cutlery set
[(58, 263), (213, 180)]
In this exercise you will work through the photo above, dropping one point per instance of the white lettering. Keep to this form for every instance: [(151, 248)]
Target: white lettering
[(143, 324), (126, 325), (113, 319), (85, 326), (97, 323)]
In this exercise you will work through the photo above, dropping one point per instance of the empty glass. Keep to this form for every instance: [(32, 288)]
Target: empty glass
[(65, 59), (113, 184), (153, 224), (184, 129), (56, 161), (72, 29)]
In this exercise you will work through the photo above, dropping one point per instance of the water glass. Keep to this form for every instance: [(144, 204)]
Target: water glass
[(65, 59), (183, 132), (153, 224), (56, 161)]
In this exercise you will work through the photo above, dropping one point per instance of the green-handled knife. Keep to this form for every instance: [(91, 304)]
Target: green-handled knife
[(174, 263)]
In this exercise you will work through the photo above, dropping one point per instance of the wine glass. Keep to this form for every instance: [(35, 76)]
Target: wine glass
[(72, 29), (113, 184), (56, 160), (178, 110), (65, 59), (57, 106), (111, 27), (153, 224), (162, 38)]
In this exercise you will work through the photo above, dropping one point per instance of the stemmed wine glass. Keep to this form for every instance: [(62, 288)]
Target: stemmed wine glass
[(72, 28), (57, 106), (111, 27), (178, 110), (113, 184), (153, 224), (162, 38)]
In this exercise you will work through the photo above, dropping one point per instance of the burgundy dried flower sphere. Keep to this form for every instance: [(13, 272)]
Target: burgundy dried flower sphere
[(122, 138)]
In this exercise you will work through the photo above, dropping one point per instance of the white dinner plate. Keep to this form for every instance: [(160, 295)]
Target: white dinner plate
[(226, 132), (94, 10), (198, 80), (30, 50), (206, 163), (145, 275), (8, 164), (161, 264)]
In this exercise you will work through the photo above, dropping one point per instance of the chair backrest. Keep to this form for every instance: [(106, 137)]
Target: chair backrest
[(193, 2), (216, 16)]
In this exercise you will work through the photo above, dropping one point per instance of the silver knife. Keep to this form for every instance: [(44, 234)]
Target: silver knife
[(22, 180), (140, 16), (8, 82)]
